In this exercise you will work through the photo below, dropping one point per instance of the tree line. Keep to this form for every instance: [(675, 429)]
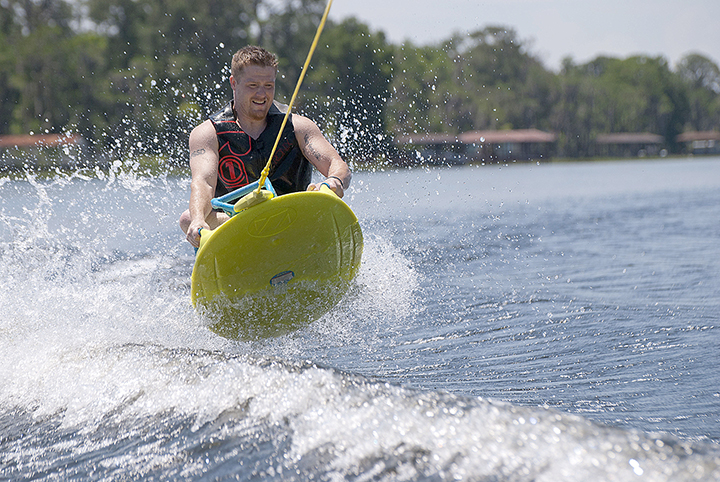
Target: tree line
[(134, 76)]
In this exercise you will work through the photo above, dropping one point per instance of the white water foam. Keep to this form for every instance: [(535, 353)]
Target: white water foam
[(93, 334)]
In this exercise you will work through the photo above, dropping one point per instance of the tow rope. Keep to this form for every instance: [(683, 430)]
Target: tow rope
[(266, 171)]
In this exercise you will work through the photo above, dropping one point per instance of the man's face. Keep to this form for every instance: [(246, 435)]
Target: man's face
[(254, 91)]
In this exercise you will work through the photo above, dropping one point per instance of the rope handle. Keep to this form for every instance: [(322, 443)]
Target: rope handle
[(266, 171), (223, 202)]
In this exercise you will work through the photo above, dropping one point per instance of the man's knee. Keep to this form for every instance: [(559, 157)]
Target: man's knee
[(216, 218), (185, 221)]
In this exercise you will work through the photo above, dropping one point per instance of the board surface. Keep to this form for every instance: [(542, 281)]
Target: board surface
[(277, 265)]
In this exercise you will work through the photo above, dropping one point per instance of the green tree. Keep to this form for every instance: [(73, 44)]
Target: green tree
[(347, 87), (484, 80), (423, 91), (173, 58), (139, 74), (700, 72), (509, 88), (170, 57), (287, 29), (702, 79), (9, 31), (637, 94), (52, 71), (574, 116)]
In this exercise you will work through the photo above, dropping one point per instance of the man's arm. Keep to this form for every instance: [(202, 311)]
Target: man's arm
[(204, 160), (322, 155)]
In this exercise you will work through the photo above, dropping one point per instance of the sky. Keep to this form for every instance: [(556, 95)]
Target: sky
[(553, 29)]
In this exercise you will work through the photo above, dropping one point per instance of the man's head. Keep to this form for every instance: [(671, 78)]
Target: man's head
[(253, 83), (252, 55)]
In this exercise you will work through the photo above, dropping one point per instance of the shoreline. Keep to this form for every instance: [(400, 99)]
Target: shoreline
[(153, 166)]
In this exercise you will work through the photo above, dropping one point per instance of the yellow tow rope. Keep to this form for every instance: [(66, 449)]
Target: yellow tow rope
[(266, 171)]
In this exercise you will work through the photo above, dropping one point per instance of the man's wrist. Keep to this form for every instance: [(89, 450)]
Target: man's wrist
[(342, 184)]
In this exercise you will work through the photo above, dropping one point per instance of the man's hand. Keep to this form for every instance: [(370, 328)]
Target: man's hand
[(332, 182), (193, 232)]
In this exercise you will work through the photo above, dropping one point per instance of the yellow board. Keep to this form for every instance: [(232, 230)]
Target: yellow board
[(277, 265)]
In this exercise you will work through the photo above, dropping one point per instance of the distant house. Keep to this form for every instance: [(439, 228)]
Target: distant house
[(698, 142), (40, 149), (432, 148), (480, 146), (629, 144), (509, 145), (39, 140)]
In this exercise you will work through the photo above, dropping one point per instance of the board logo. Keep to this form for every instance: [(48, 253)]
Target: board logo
[(270, 224)]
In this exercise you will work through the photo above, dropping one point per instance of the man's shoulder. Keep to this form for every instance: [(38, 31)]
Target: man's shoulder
[(304, 124), (278, 108), (203, 132), (205, 126), (224, 114)]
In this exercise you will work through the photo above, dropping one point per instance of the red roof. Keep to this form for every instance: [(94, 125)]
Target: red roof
[(427, 138), (47, 140), (699, 136), (629, 138), (519, 136), (481, 137)]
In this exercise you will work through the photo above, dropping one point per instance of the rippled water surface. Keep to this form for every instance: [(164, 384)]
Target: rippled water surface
[(527, 322)]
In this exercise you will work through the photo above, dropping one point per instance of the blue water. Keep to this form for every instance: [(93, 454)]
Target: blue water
[(527, 322)]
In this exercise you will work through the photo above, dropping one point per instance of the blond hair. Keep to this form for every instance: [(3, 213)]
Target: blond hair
[(252, 55)]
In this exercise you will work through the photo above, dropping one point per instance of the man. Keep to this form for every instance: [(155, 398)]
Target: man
[(230, 149)]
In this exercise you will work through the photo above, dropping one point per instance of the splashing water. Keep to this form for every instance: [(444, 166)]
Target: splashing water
[(108, 373)]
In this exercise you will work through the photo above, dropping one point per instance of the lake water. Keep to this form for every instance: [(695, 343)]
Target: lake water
[(524, 323)]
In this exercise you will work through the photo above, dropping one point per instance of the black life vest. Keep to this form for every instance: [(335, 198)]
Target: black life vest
[(243, 158)]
